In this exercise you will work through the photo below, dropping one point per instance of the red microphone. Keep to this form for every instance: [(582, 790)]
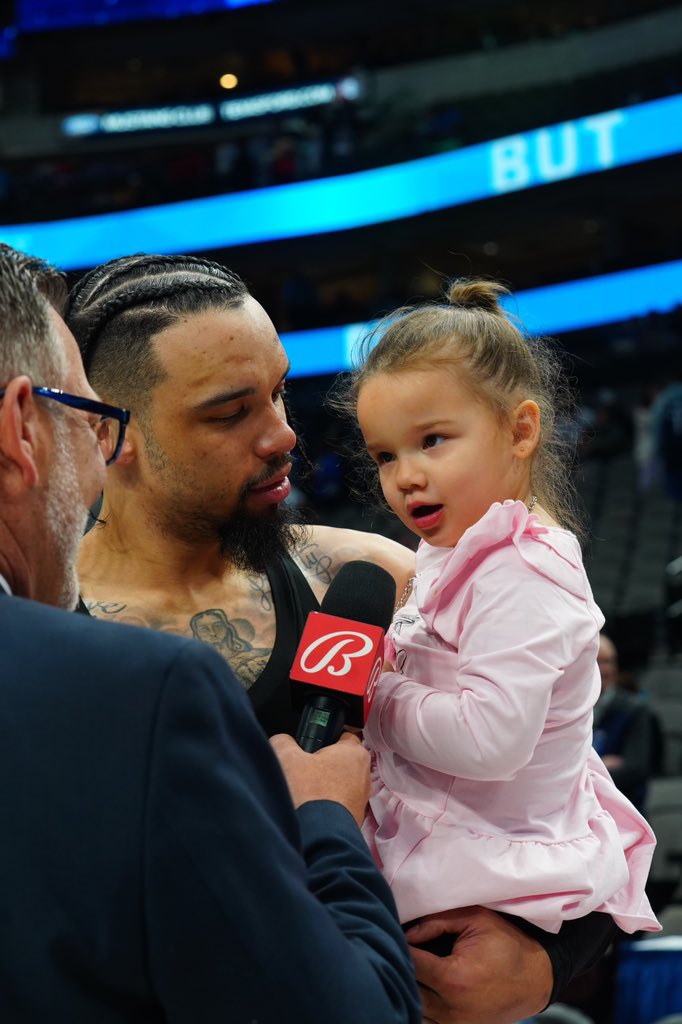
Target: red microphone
[(339, 658)]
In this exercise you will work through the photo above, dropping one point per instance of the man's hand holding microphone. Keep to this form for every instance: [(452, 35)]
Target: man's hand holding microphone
[(337, 664), (339, 773)]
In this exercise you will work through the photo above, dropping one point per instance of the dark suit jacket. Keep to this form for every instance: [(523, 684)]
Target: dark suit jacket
[(152, 867)]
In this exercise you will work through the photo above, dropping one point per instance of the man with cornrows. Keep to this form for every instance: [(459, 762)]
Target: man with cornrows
[(194, 521)]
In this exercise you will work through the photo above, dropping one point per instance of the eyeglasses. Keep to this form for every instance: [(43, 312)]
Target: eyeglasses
[(110, 427)]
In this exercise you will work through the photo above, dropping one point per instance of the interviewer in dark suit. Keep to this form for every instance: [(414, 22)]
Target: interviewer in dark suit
[(152, 865)]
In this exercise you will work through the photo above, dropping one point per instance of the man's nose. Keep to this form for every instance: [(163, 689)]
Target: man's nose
[(276, 437)]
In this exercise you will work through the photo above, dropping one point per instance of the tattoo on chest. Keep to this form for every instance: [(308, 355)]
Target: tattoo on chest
[(131, 615), (232, 639), (235, 639), (106, 607), (259, 585)]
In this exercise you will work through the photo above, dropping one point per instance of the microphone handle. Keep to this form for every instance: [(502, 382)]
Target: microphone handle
[(322, 722)]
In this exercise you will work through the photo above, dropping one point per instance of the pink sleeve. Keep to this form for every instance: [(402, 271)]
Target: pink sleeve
[(513, 647)]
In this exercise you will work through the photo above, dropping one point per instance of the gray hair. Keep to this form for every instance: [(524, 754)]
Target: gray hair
[(28, 342)]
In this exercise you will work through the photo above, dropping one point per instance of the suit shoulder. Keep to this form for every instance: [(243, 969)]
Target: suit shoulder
[(50, 641), (112, 640)]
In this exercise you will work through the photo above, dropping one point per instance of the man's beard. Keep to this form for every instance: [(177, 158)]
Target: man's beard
[(66, 514), (251, 543)]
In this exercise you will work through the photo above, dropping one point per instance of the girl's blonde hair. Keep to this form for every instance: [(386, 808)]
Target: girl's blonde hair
[(471, 335)]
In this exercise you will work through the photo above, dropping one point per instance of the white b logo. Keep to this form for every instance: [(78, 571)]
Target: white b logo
[(374, 679), (347, 637)]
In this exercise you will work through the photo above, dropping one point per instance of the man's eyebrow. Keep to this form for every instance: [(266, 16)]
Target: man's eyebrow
[(231, 396), (223, 398)]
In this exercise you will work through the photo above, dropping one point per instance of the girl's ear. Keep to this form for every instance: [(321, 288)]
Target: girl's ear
[(526, 428)]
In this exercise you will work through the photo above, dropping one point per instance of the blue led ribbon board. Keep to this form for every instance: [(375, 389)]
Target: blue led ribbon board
[(584, 146), (46, 15)]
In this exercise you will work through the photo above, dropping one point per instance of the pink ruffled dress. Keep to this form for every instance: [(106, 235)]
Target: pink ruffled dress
[(486, 789)]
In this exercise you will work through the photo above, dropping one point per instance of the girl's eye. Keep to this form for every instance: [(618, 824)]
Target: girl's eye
[(431, 440), (383, 458)]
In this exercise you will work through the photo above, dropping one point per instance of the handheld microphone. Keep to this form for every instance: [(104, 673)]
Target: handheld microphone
[(341, 653)]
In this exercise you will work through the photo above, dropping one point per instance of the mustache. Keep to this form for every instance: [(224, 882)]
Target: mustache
[(272, 466)]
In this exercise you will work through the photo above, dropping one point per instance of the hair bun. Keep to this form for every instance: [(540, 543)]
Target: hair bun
[(476, 293)]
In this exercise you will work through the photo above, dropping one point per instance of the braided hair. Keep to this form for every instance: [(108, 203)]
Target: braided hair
[(116, 309)]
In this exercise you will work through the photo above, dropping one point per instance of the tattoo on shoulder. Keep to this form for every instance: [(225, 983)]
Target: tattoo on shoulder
[(314, 561)]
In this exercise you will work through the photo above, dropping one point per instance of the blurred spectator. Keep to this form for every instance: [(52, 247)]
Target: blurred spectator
[(225, 157), (308, 138), (283, 160), (258, 150), (327, 484), (299, 303), (627, 734), (644, 447), (340, 133), (667, 429), (612, 428), (439, 129)]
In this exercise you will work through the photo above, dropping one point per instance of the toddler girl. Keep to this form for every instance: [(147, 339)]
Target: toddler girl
[(485, 786)]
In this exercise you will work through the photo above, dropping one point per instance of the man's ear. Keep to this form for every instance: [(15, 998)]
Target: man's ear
[(128, 453), (526, 428), (21, 436)]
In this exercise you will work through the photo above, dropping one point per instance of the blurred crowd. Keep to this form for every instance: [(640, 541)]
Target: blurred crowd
[(346, 135)]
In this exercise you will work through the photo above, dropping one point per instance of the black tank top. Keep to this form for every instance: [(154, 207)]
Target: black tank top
[(293, 600)]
